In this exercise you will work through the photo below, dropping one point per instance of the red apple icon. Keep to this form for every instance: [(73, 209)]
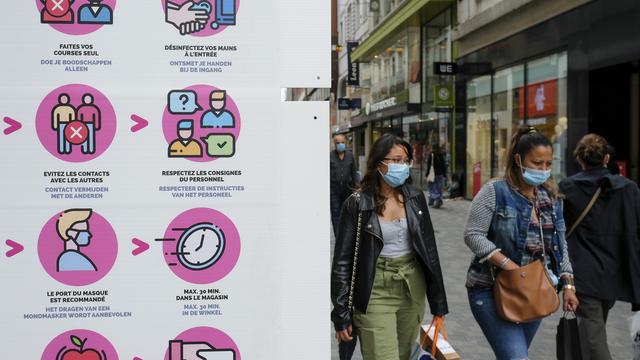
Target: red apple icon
[(81, 353)]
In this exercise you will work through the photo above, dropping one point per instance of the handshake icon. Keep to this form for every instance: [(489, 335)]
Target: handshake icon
[(190, 17)]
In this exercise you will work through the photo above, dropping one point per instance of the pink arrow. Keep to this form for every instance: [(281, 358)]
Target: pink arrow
[(14, 125), (15, 248), (141, 246), (140, 123)]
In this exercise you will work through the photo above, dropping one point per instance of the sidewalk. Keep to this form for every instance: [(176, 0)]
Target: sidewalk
[(464, 333)]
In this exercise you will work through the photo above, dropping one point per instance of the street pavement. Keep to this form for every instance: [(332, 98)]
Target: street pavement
[(464, 333)]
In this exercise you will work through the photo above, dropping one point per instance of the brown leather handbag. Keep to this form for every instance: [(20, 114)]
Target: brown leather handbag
[(527, 293)]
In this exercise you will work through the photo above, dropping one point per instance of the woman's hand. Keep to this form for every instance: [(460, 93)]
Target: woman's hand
[(510, 265), (345, 335), (570, 300)]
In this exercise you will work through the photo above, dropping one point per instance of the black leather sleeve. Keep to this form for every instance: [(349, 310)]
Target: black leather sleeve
[(343, 263), (436, 294)]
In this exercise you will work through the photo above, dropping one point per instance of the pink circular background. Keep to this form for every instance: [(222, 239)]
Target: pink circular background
[(78, 29), (48, 137), (102, 250), (218, 270), (94, 341), (214, 337), (170, 121), (207, 31)]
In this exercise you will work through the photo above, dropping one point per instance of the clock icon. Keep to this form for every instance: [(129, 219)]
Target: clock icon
[(200, 246)]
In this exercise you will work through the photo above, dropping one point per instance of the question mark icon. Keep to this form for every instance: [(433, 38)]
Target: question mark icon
[(184, 99)]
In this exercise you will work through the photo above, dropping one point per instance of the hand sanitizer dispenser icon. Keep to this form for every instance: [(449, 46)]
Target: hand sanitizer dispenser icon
[(225, 13)]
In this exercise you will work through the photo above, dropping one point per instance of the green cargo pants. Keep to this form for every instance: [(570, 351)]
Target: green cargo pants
[(389, 329)]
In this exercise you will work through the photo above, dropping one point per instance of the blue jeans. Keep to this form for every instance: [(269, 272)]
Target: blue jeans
[(89, 145), (435, 188), (509, 341)]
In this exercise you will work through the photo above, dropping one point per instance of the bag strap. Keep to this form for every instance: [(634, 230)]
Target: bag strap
[(438, 323), (584, 212), (355, 261)]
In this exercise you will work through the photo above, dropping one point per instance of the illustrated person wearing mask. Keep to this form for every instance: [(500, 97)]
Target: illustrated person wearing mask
[(508, 221), (342, 176), (604, 246), (397, 261), (73, 229)]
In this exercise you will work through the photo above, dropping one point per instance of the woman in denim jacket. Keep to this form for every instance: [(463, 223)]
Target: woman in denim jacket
[(503, 233)]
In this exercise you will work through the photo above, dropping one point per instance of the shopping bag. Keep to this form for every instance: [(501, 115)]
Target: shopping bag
[(432, 172), (438, 347), (419, 353), (634, 329), (568, 338)]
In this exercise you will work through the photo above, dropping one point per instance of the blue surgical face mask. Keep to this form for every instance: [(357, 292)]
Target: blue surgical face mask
[(535, 177), (341, 147), (83, 238), (396, 174)]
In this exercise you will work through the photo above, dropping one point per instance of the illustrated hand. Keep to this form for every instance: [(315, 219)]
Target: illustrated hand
[(191, 27), (570, 300), (185, 19), (345, 335)]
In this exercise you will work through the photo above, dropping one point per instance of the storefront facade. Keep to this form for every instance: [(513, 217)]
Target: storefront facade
[(561, 76), (398, 72)]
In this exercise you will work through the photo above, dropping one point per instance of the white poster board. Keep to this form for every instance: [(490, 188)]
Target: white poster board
[(159, 201)]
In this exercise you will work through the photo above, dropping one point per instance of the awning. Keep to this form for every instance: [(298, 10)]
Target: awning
[(412, 12), (405, 108)]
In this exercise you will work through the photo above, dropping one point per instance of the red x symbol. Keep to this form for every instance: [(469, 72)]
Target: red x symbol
[(76, 132), (57, 7)]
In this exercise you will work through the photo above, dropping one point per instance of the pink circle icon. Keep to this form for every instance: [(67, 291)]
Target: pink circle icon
[(80, 344), (197, 342), (201, 123), (76, 123), (76, 17), (200, 17), (77, 247), (201, 246)]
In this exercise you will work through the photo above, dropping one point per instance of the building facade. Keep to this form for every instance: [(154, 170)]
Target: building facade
[(567, 67), (393, 45)]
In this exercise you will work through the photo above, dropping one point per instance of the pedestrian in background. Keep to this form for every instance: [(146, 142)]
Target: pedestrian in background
[(503, 232), (604, 246), (395, 256), (436, 171), (342, 177)]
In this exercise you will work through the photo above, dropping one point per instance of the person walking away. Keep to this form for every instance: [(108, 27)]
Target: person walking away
[(435, 162), (508, 221), (385, 258), (342, 176), (604, 246)]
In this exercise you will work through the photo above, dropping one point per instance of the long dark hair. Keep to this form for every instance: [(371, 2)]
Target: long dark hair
[(523, 141), (372, 177)]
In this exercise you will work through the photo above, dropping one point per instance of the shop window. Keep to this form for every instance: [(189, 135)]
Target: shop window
[(546, 104), (508, 113), (478, 133)]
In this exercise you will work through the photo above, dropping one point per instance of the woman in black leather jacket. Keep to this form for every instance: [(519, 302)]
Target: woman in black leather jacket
[(397, 260)]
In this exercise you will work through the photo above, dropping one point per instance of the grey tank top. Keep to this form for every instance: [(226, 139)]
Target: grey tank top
[(395, 236)]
